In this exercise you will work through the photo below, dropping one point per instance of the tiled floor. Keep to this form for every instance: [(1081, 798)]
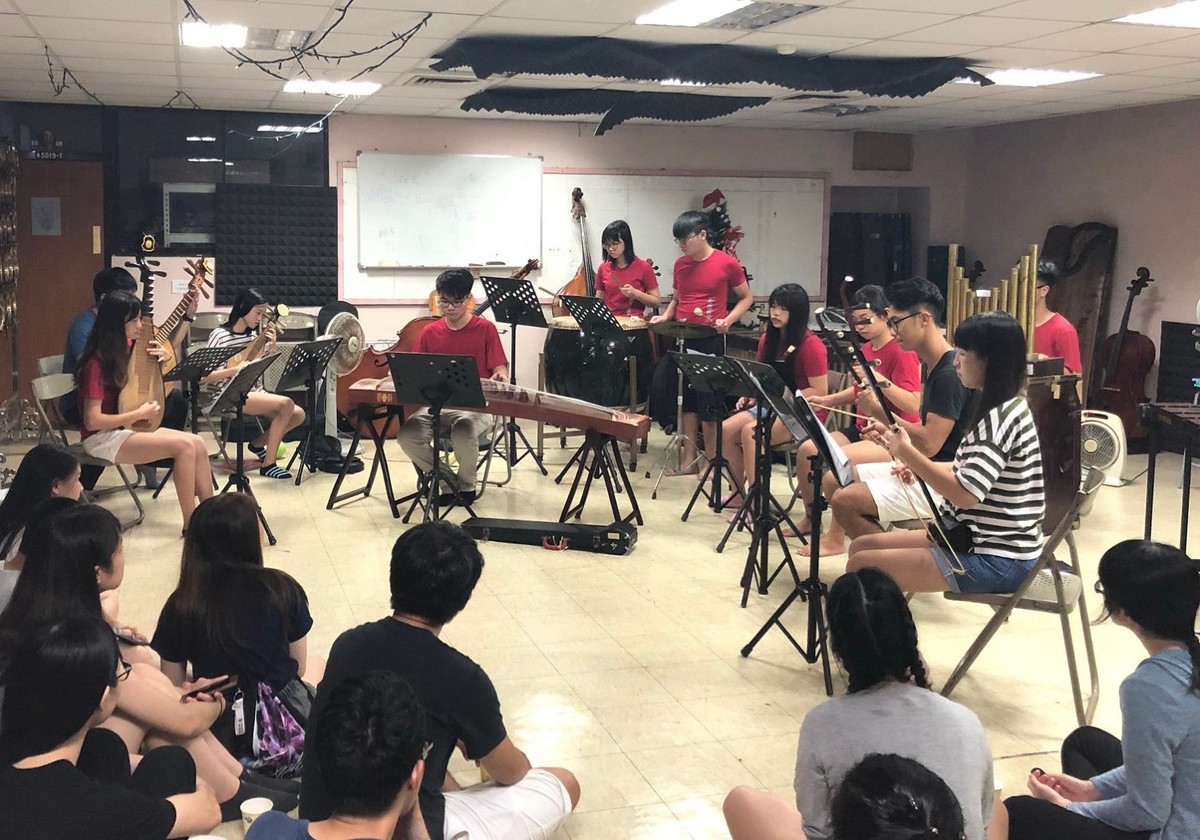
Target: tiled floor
[(627, 669)]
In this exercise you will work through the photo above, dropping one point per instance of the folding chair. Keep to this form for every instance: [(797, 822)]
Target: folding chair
[(48, 365), (1051, 586), (47, 390)]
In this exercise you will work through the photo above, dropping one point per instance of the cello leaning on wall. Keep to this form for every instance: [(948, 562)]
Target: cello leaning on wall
[(1128, 356)]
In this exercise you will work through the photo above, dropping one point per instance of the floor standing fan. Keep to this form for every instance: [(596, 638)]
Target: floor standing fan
[(1102, 445), (345, 359)]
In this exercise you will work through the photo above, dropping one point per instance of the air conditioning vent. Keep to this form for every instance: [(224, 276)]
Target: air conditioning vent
[(759, 15), (847, 110), (442, 81)]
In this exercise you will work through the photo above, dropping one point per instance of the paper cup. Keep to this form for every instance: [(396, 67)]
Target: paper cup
[(254, 808)]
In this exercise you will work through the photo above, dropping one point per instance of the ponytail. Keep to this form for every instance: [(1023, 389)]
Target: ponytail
[(871, 631), (1193, 647)]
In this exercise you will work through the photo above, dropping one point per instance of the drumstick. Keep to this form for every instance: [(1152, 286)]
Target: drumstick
[(853, 414), (553, 295), (699, 313)]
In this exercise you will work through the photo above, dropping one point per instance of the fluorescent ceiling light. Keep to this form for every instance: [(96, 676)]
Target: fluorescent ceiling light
[(196, 138), (290, 129), (690, 12), (194, 33), (681, 83), (1181, 14), (206, 160), (331, 88), (1031, 78)]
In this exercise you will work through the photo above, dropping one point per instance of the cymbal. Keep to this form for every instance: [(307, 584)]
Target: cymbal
[(683, 329)]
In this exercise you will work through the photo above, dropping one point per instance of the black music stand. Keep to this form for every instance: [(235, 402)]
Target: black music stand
[(233, 395), (515, 302), (798, 415), (189, 372), (439, 382), (719, 376), (306, 367), (593, 316), (681, 331)]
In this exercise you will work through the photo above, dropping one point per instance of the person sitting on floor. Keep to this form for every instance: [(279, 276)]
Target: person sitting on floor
[(46, 471), (890, 709), (434, 569), (890, 797), (370, 739)]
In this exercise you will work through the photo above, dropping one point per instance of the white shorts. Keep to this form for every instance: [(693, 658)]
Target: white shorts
[(532, 809), (892, 496), (106, 444)]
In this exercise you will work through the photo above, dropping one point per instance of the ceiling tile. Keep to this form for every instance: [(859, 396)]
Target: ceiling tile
[(521, 26), (379, 22), (985, 32), (13, 45), (265, 15), (1187, 70), (84, 64), (129, 10), (118, 32), (594, 11), (1177, 89), (1113, 63), (1001, 57), (858, 23), (1179, 47), (1107, 37), (806, 45), (1090, 11), (675, 34), (950, 7), (11, 24), (458, 7), (905, 49)]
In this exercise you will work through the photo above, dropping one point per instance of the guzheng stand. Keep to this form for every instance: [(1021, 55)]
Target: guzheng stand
[(680, 331), (189, 372), (719, 376), (798, 415), (306, 367), (438, 382), (1183, 420), (366, 416), (233, 396), (515, 303), (599, 457)]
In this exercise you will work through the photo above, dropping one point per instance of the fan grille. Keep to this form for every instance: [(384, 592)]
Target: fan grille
[(1099, 448)]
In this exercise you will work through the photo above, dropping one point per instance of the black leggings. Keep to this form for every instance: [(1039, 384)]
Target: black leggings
[(162, 772), (1086, 752)]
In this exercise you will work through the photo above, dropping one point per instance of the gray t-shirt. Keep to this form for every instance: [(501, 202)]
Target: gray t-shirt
[(895, 718)]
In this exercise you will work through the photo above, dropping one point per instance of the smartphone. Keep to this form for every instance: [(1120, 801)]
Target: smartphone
[(128, 639), (210, 688)]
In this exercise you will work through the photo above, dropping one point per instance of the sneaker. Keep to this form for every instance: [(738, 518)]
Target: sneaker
[(273, 471), (459, 497), (257, 451)]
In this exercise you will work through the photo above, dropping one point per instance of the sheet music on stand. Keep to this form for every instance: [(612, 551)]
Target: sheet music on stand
[(593, 315)]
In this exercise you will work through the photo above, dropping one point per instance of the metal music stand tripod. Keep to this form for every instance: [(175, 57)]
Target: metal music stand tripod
[(681, 331), (798, 414), (189, 372), (515, 303), (306, 366), (436, 381), (719, 376), (234, 396)]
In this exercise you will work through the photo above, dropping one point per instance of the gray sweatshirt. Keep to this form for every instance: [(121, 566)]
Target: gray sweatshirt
[(1158, 787), (895, 718)]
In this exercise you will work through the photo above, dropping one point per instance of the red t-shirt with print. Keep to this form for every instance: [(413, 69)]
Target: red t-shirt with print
[(610, 279), (478, 338)]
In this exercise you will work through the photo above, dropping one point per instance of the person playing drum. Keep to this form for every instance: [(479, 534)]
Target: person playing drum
[(703, 278), (624, 281)]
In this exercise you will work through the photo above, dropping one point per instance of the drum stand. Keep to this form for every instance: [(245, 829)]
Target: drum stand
[(677, 439)]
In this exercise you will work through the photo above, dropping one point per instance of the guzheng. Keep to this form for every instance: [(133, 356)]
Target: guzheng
[(507, 400)]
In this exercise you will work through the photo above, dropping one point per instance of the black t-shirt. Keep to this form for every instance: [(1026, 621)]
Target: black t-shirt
[(460, 705), (260, 653), (58, 802), (944, 395)]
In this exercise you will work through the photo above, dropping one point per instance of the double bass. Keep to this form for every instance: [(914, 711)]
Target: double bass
[(143, 380), (584, 282), (1129, 356)]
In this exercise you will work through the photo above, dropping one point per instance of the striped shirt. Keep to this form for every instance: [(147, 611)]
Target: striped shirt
[(223, 337), (999, 462)]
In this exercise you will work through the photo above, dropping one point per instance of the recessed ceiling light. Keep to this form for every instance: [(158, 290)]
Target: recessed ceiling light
[(290, 129), (206, 160), (690, 12), (1031, 78), (1181, 14), (331, 88), (681, 83), (196, 138), (194, 33)]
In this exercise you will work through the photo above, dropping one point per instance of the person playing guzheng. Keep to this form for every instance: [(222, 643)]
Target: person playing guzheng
[(1054, 337), (704, 278), (624, 281), (459, 332)]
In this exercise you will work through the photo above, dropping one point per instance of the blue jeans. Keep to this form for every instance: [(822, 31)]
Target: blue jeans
[(983, 572)]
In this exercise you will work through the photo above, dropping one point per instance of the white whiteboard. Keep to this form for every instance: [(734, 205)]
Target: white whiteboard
[(447, 210)]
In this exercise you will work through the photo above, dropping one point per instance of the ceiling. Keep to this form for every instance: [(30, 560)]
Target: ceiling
[(127, 52)]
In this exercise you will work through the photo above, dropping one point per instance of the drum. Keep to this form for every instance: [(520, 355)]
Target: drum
[(595, 368)]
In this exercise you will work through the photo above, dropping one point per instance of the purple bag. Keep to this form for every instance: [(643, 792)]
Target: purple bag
[(278, 735)]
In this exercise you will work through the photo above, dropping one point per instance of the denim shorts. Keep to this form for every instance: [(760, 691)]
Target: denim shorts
[(984, 572)]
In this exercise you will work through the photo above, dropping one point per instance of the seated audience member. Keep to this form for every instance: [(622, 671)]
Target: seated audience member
[(458, 332), (63, 779), (878, 497), (889, 797), (243, 326), (68, 563), (1147, 784), (890, 709), (993, 491), (370, 739), (232, 615), (46, 471), (1053, 335), (434, 569)]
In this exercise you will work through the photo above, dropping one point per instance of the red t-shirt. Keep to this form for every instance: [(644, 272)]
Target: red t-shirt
[(705, 284), (1058, 339), (900, 367), (610, 279), (809, 361), (478, 338), (90, 385)]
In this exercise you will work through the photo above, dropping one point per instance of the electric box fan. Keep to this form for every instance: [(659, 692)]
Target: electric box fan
[(1102, 445)]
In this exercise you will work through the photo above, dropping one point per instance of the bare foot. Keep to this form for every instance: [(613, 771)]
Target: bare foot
[(829, 548), (803, 529), (671, 472)]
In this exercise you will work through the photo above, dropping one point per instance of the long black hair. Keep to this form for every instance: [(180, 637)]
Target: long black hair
[(41, 468), (107, 339), (890, 797), (246, 300), (222, 558), (54, 683), (871, 630), (793, 298), (618, 231), (999, 342), (65, 546), (1158, 587)]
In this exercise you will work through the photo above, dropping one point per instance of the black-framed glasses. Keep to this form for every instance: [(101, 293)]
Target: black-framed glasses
[(686, 239), (126, 670), (445, 301), (896, 322), (1099, 587)]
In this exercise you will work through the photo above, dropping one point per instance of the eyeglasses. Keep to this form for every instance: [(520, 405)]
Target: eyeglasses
[(126, 670), (895, 322), (686, 239), (445, 302), (1099, 587)]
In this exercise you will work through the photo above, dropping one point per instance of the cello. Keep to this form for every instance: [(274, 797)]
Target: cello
[(584, 282), (143, 380), (1130, 355)]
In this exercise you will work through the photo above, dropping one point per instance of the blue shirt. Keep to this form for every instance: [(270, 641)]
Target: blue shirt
[(77, 336), (276, 825), (1157, 789)]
